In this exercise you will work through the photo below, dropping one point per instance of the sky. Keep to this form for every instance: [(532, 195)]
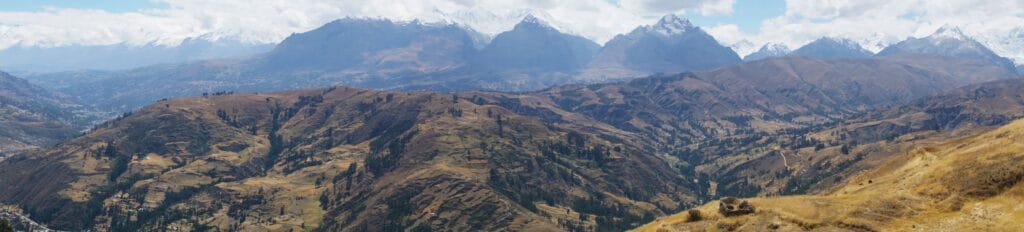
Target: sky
[(744, 25), (108, 5)]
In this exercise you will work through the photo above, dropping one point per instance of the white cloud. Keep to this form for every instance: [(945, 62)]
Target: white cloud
[(267, 21), (705, 7), (723, 7)]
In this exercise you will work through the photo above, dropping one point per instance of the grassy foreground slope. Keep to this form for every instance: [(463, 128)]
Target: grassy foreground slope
[(968, 184)]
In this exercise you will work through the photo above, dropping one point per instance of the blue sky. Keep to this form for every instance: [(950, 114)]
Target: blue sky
[(747, 14)]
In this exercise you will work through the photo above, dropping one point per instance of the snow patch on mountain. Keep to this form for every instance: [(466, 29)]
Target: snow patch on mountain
[(768, 50), (672, 25), (492, 23), (833, 47), (948, 32)]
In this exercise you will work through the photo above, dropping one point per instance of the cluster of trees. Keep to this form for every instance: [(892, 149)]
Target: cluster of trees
[(385, 152), (399, 207), (576, 146), (219, 93)]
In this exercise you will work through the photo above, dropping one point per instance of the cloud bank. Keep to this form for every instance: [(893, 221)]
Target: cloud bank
[(874, 23)]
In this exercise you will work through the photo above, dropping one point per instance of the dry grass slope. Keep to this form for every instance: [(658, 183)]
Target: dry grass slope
[(969, 184)]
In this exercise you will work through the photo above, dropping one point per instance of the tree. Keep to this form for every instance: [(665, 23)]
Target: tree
[(351, 169), (6, 226), (109, 151)]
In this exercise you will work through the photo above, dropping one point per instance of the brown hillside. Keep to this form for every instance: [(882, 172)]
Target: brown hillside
[(582, 157), (343, 159), (32, 117), (970, 184)]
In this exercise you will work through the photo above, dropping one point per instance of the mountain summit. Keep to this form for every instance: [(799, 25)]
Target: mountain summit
[(535, 45), (530, 20), (947, 41), (768, 50), (373, 44), (671, 25), (672, 45), (829, 47)]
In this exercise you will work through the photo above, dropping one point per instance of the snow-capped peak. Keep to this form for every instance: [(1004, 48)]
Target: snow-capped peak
[(949, 32), (672, 24), (529, 19), (775, 49), (848, 43)]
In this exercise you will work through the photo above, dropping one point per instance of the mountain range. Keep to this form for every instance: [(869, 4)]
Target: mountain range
[(414, 56), (381, 54), (950, 42)]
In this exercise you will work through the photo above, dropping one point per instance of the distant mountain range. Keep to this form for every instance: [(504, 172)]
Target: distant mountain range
[(415, 56), (947, 42), (121, 56), (411, 56)]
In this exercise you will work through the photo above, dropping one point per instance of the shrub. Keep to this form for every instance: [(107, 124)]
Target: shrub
[(693, 215)]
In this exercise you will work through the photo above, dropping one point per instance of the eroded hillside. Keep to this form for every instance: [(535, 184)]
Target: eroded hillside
[(587, 157), (344, 159)]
